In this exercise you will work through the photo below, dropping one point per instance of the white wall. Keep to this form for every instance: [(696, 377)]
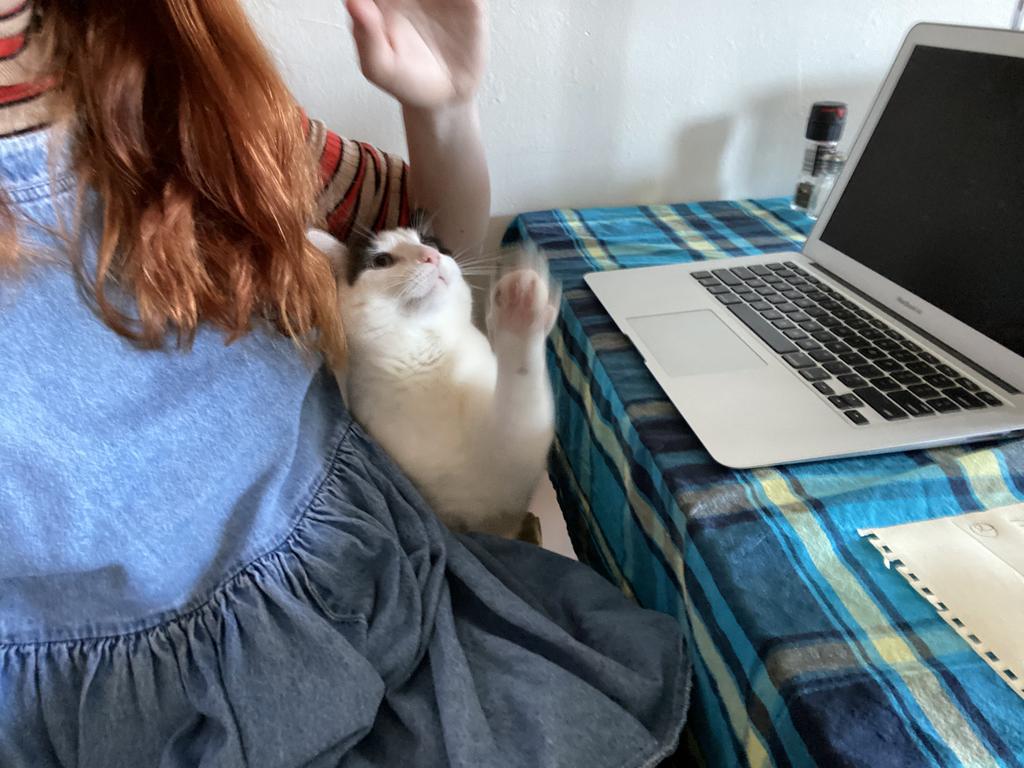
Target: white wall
[(607, 102)]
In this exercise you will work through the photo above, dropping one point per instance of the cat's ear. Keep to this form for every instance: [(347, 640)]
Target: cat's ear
[(332, 248)]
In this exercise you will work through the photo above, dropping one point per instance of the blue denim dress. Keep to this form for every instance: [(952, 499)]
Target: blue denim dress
[(204, 562)]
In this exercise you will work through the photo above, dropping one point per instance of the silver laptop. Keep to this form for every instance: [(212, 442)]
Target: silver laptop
[(901, 324)]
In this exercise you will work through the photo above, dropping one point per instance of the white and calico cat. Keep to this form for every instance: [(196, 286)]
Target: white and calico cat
[(469, 420)]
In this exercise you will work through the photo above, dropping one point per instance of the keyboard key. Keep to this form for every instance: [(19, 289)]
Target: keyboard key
[(822, 356), (700, 275), (838, 347), (872, 335), (776, 299), (814, 374), (808, 345), (868, 371), (894, 335), (726, 277), (794, 295), (928, 357), (889, 366), (837, 369), (729, 299), (817, 312), (775, 266), (912, 346), (783, 324), (888, 345), (963, 398), (823, 336), (943, 405), (881, 404), (856, 417), (761, 306), (967, 384), (798, 360), (795, 334), (988, 399), (807, 326), (885, 384), (857, 324), (788, 309), (846, 401), (771, 314), (852, 381), (774, 280), (906, 378), (719, 290), (760, 270), (765, 290), (921, 368), (757, 284), (743, 290), (743, 273), (853, 358), (924, 391), (824, 388), (874, 353), (911, 404), (904, 356), (947, 370), (939, 381), (763, 329), (708, 282)]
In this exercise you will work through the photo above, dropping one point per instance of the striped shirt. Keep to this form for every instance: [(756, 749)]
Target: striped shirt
[(361, 187), (25, 94)]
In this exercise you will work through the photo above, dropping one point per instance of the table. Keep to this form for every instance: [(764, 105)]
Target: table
[(806, 649)]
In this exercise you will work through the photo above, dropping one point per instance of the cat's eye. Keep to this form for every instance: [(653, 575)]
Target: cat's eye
[(382, 261)]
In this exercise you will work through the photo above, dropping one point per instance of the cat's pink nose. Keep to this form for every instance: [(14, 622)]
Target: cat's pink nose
[(429, 256)]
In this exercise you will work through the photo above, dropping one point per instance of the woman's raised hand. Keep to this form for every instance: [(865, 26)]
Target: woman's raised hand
[(425, 53)]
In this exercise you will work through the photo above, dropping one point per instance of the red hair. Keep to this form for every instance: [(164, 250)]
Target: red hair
[(197, 150)]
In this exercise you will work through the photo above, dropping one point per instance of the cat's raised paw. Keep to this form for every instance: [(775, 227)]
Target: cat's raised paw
[(523, 304)]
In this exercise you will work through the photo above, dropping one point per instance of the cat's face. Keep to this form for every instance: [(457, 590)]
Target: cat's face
[(396, 274)]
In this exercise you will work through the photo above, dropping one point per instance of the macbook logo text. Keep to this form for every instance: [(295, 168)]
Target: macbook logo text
[(903, 302)]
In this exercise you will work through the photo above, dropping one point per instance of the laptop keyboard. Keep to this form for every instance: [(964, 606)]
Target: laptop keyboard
[(855, 360)]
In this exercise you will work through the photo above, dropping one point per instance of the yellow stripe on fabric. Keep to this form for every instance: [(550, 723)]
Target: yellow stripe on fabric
[(986, 478), (775, 223), (746, 734), (592, 526), (945, 716), (593, 247), (691, 237)]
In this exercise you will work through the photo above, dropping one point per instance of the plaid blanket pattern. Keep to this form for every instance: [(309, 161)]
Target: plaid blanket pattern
[(807, 650)]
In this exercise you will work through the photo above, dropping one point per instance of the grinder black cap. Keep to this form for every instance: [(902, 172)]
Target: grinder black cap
[(827, 120)]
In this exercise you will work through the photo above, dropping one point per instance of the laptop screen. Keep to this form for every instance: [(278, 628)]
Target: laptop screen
[(936, 203)]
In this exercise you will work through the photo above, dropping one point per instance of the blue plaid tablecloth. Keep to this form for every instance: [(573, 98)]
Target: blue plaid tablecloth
[(807, 649)]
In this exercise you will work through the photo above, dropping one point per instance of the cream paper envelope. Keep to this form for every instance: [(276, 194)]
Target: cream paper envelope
[(971, 569)]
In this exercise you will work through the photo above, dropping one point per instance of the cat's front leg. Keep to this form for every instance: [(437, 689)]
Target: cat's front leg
[(522, 312)]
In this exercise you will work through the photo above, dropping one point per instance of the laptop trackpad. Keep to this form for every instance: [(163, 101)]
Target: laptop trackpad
[(694, 343)]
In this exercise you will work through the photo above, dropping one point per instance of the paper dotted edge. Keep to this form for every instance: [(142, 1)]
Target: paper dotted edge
[(1013, 678)]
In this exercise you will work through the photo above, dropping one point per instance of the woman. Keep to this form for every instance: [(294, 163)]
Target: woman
[(204, 561)]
